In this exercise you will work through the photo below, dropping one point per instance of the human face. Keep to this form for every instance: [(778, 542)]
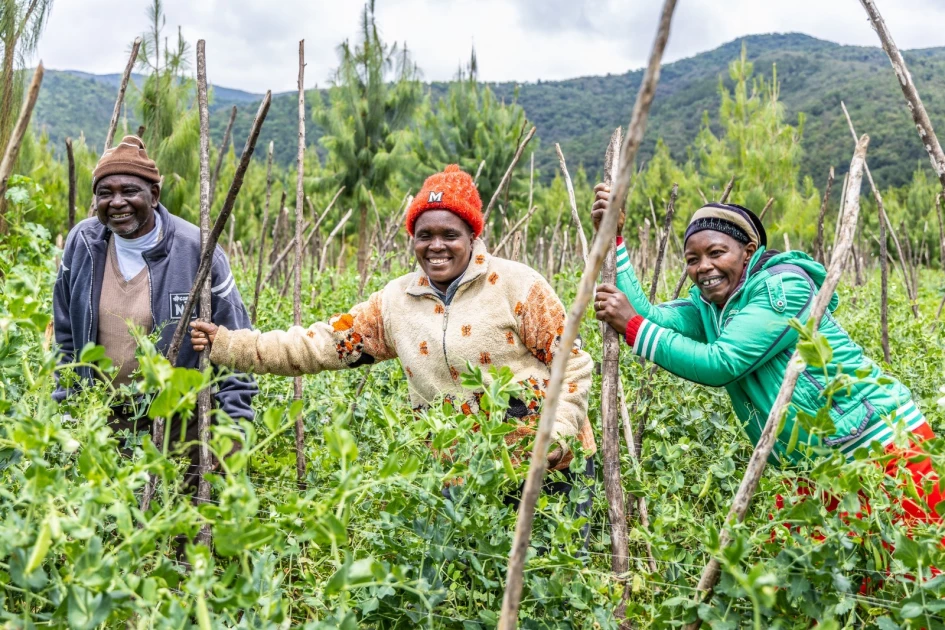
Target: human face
[(125, 204), (443, 245), (715, 263)]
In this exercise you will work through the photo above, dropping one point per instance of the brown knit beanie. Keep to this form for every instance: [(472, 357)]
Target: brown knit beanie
[(128, 157)]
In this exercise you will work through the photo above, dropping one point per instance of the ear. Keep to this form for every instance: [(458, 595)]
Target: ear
[(156, 194), (750, 250)]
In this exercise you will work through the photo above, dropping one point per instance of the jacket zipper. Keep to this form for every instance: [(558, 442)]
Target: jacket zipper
[(446, 319)]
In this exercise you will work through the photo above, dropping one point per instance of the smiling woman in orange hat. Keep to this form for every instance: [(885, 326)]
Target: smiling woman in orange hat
[(462, 305)]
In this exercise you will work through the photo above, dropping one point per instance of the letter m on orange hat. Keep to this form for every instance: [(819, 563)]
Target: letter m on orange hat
[(435, 197)]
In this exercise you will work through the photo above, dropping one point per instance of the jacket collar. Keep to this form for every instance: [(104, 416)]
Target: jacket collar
[(478, 265), (97, 235)]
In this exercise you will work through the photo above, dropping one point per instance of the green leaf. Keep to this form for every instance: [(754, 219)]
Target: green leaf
[(87, 610), (91, 353)]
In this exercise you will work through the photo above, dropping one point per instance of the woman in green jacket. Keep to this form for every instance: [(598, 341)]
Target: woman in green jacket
[(733, 331)]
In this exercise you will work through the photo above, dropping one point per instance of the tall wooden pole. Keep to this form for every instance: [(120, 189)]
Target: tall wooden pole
[(297, 269), (12, 150), (70, 156), (262, 236), (769, 434), (215, 176), (610, 377), (116, 111), (204, 396), (608, 228), (819, 252)]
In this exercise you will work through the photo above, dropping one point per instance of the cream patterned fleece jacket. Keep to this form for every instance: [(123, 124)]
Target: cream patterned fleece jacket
[(503, 313)]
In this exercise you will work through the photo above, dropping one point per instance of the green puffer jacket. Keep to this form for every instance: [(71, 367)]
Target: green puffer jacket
[(745, 348)]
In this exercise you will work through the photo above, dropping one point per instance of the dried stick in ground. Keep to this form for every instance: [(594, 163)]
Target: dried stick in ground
[(344, 219), (508, 175), (223, 146), (667, 228), (610, 378), (884, 285), (604, 241), (297, 268), (911, 291), (516, 246), (70, 156), (479, 172), (514, 229), (759, 457), (204, 396), (941, 229), (12, 149), (728, 190), (919, 116), (262, 236), (116, 111), (203, 269), (819, 253), (571, 199), (767, 207)]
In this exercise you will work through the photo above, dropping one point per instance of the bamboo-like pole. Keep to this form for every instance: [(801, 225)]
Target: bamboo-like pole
[(667, 228), (819, 253), (759, 457), (12, 150), (911, 291), (262, 236), (610, 403), (297, 268), (604, 241), (70, 157), (920, 117), (116, 111), (337, 228), (223, 145), (204, 396), (206, 260), (575, 216), (508, 175)]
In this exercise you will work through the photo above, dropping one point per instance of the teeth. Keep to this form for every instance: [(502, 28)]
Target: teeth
[(438, 261), (121, 216), (711, 282)]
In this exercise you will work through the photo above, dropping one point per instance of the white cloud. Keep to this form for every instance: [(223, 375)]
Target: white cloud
[(253, 45)]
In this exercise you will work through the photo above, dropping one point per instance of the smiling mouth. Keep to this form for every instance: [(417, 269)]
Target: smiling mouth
[(121, 217), (438, 261), (714, 281)]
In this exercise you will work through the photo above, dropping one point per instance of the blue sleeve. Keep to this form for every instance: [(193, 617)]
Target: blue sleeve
[(62, 319), (235, 394)]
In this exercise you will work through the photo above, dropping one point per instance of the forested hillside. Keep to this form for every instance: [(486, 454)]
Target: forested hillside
[(814, 75)]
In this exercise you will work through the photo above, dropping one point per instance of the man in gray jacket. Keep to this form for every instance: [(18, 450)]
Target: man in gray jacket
[(134, 261)]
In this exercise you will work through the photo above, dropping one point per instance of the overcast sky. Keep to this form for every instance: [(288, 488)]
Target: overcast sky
[(253, 44)]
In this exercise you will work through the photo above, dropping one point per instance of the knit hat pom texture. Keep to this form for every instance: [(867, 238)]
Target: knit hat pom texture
[(452, 190)]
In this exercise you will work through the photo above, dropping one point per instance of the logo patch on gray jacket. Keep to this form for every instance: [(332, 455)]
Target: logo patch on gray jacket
[(178, 302)]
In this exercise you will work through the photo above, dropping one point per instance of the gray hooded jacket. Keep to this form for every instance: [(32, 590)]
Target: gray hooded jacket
[(172, 265)]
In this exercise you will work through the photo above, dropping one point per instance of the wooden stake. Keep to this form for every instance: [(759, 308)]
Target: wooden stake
[(206, 260), (337, 228), (204, 396), (507, 176), (941, 229), (767, 207), (262, 235), (116, 111), (728, 190), (759, 457), (884, 285), (667, 228), (220, 154), (610, 381), (919, 116), (575, 216), (12, 150), (514, 229), (819, 252), (70, 156), (297, 268), (604, 241)]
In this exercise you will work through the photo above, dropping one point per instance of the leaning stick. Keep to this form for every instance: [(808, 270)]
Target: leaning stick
[(571, 199), (479, 172), (262, 236), (764, 211), (819, 240), (337, 228), (220, 154), (667, 227), (608, 228), (508, 174), (12, 150), (759, 457), (289, 247), (514, 229), (728, 190), (392, 228), (204, 396), (884, 285), (70, 156), (297, 268), (941, 228), (610, 378), (919, 116), (126, 75), (206, 259), (911, 291)]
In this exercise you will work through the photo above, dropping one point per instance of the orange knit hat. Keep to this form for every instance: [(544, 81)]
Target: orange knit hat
[(451, 190)]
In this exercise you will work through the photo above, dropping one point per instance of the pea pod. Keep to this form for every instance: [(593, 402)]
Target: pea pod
[(706, 486), (507, 464), (203, 613), (40, 548)]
